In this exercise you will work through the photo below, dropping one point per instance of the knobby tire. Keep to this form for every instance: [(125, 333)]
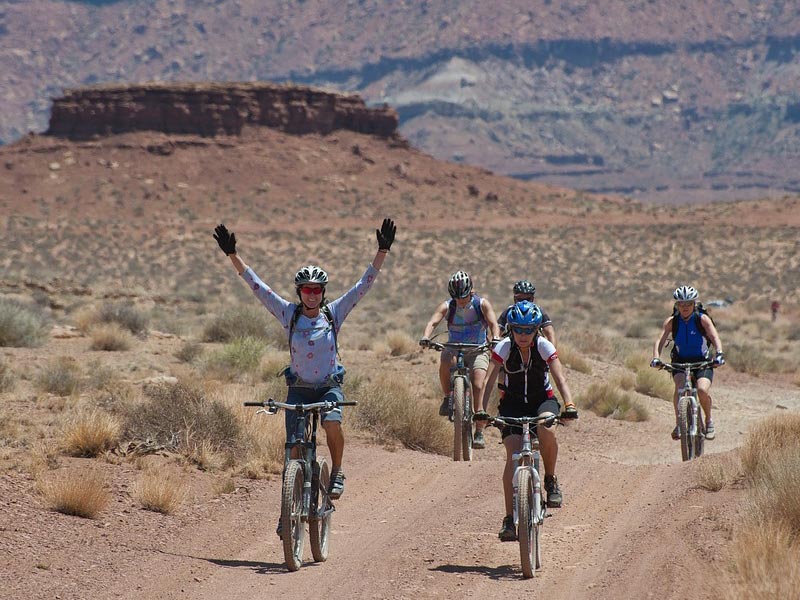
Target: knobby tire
[(684, 425), (321, 512), (293, 529), (466, 429), (527, 524), (459, 394)]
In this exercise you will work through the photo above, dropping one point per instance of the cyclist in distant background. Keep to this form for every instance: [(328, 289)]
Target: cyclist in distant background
[(525, 290), (469, 318), (311, 324), (691, 329), (527, 358)]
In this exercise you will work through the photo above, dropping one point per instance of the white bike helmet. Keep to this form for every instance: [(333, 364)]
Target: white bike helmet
[(310, 274), (460, 285), (685, 293)]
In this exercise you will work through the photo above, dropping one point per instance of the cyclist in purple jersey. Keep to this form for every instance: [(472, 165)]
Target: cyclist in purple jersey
[(469, 318), (691, 333), (311, 325)]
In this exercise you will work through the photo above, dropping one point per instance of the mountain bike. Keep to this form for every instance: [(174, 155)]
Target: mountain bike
[(304, 493), (691, 425), (460, 396), (530, 506)]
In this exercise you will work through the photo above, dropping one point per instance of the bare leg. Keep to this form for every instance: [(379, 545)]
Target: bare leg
[(513, 443), (478, 377), (335, 438), (548, 446)]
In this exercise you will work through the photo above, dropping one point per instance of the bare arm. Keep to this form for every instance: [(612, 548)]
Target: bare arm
[(550, 333), (491, 318), (666, 331), (380, 256), (436, 318), (711, 331), (238, 263), (561, 381)]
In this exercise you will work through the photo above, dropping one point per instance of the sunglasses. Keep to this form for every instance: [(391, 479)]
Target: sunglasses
[(524, 330), (308, 289)]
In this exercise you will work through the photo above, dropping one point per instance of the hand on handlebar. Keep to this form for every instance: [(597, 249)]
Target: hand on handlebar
[(425, 342), (719, 359), (656, 363), (570, 412), (481, 415)]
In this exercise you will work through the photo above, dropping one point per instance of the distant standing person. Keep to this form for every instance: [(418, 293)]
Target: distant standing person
[(691, 330), (775, 306), (311, 324), (525, 290)]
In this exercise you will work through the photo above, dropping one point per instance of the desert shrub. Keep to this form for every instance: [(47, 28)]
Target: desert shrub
[(181, 416), (638, 360), (793, 332), (640, 329), (90, 433), (751, 359), (716, 471), (776, 489), (774, 435), (654, 383), (110, 337), (272, 363), (626, 381), (388, 408), (189, 352), (159, 491), (237, 360), (21, 326), (79, 493), (571, 359), (765, 564), (606, 400), (265, 435), (124, 315), (7, 379), (400, 343), (61, 376), (243, 322)]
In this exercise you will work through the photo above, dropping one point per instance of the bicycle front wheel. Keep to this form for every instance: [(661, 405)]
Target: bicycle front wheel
[(321, 513), (293, 530), (526, 535), (685, 420), (459, 395)]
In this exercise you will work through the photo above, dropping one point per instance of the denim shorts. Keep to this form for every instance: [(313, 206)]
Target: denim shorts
[(306, 395)]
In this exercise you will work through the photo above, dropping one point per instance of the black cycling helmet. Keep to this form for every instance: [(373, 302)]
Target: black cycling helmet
[(460, 285), (523, 286), (311, 274)]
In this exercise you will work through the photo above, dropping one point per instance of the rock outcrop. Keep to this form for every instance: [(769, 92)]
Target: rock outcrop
[(211, 109)]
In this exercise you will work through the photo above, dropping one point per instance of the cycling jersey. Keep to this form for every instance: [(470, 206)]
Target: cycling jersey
[(313, 344), (467, 326), (690, 344), (527, 385)]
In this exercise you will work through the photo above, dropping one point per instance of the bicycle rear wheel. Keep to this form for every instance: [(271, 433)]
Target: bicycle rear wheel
[(459, 394), (293, 530), (525, 532), (321, 513), (466, 428)]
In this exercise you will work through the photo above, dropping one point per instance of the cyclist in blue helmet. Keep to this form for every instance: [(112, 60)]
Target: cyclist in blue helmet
[(527, 359)]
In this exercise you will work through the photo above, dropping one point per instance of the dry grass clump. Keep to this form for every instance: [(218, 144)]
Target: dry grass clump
[(244, 322), (607, 400), (161, 491), (21, 326), (61, 376), (638, 360), (765, 564), (182, 417), (752, 360), (120, 313), (776, 490), (641, 329), (571, 359), (189, 352), (110, 337), (236, 361), (389, 409), (654, 383), (265, 434), (272, 364), (400, 343), (715, 471), (91, 433), (775, 435), (626, 381), (80, 493), (7, 378)]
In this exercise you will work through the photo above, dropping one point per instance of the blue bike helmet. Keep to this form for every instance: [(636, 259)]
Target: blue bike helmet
[(526, 314)]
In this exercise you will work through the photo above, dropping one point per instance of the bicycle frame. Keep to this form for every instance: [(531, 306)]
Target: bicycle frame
[(691, 424)]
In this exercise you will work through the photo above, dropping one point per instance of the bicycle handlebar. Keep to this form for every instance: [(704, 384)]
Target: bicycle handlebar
[(693, 366), (439, 346), (326, 405), (548, 420)]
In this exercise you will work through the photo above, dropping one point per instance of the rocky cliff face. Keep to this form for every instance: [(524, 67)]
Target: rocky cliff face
[(213, 109)]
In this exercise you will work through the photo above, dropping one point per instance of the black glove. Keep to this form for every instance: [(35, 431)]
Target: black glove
[(656, 363), (570, 412), (481, 415), (424, 342), (719, 359), (386, 234), (226, 240)]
